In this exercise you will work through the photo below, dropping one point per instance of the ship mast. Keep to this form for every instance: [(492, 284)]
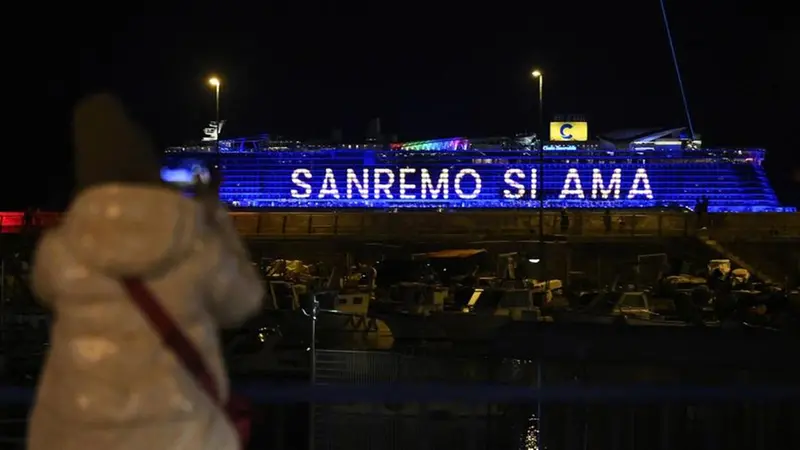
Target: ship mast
[(677, 69)]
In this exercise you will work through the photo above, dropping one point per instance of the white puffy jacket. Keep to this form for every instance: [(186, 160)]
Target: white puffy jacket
[(108, 382)]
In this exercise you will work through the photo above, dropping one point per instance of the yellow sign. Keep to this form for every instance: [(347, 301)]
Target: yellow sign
[(569, 131)]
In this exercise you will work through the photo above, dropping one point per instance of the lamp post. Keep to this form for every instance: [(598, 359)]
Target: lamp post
[(313, 356), (537, 74), (214, 81)]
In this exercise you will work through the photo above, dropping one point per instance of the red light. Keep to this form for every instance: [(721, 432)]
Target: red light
[(14, 221)]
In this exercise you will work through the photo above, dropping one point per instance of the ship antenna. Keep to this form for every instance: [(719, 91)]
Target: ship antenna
[(677, 68)]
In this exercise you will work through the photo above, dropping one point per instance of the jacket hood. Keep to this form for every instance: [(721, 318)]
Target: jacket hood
[(130, 230), (110, 147)]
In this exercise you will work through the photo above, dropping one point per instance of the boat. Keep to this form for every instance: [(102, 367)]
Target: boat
[(635, 308), (342, 318), (483, 311), (409, 313)]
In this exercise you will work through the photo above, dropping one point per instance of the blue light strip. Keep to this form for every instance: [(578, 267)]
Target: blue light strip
[(497, 180)]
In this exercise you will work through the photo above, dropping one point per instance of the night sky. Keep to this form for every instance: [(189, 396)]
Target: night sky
[(433, 72)]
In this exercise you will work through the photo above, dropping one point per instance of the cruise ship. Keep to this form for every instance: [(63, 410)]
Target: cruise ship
[(656, 168)]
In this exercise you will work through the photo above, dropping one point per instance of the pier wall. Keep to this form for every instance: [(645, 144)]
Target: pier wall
[(505, 225), (495, 224)]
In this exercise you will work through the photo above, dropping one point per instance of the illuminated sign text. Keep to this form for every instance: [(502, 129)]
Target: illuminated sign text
[(464, 183)]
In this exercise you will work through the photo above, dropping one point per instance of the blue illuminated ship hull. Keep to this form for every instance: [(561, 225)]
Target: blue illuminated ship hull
[(733, 181)]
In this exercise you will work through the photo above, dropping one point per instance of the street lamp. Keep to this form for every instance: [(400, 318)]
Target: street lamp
[(537, 74), (214, 81)]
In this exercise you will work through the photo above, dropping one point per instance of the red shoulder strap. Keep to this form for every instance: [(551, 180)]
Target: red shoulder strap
[(172, 336)]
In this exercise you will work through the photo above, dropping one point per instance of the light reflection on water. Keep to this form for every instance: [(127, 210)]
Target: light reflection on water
[(524, 371), (531, 438)]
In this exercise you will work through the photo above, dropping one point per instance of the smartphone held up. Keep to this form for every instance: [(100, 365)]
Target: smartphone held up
[(192, 176)]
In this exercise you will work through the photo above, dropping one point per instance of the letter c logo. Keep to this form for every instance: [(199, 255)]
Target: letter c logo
[(565, 131)]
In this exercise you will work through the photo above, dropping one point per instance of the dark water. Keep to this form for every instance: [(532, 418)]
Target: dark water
[(630, 423), (627, 423), (722, 425)]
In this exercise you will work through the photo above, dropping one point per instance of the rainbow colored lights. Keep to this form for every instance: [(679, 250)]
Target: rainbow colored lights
[(436, 145)]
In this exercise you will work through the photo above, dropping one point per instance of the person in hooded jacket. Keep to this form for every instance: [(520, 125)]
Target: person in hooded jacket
[(108, 382)]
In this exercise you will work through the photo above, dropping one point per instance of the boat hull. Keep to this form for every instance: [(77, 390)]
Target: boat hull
[(333, 330)]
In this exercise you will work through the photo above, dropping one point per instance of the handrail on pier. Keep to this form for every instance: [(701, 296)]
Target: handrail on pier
[(506, 224)]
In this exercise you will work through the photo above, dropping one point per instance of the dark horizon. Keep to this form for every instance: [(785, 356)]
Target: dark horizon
[(303, 75)]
